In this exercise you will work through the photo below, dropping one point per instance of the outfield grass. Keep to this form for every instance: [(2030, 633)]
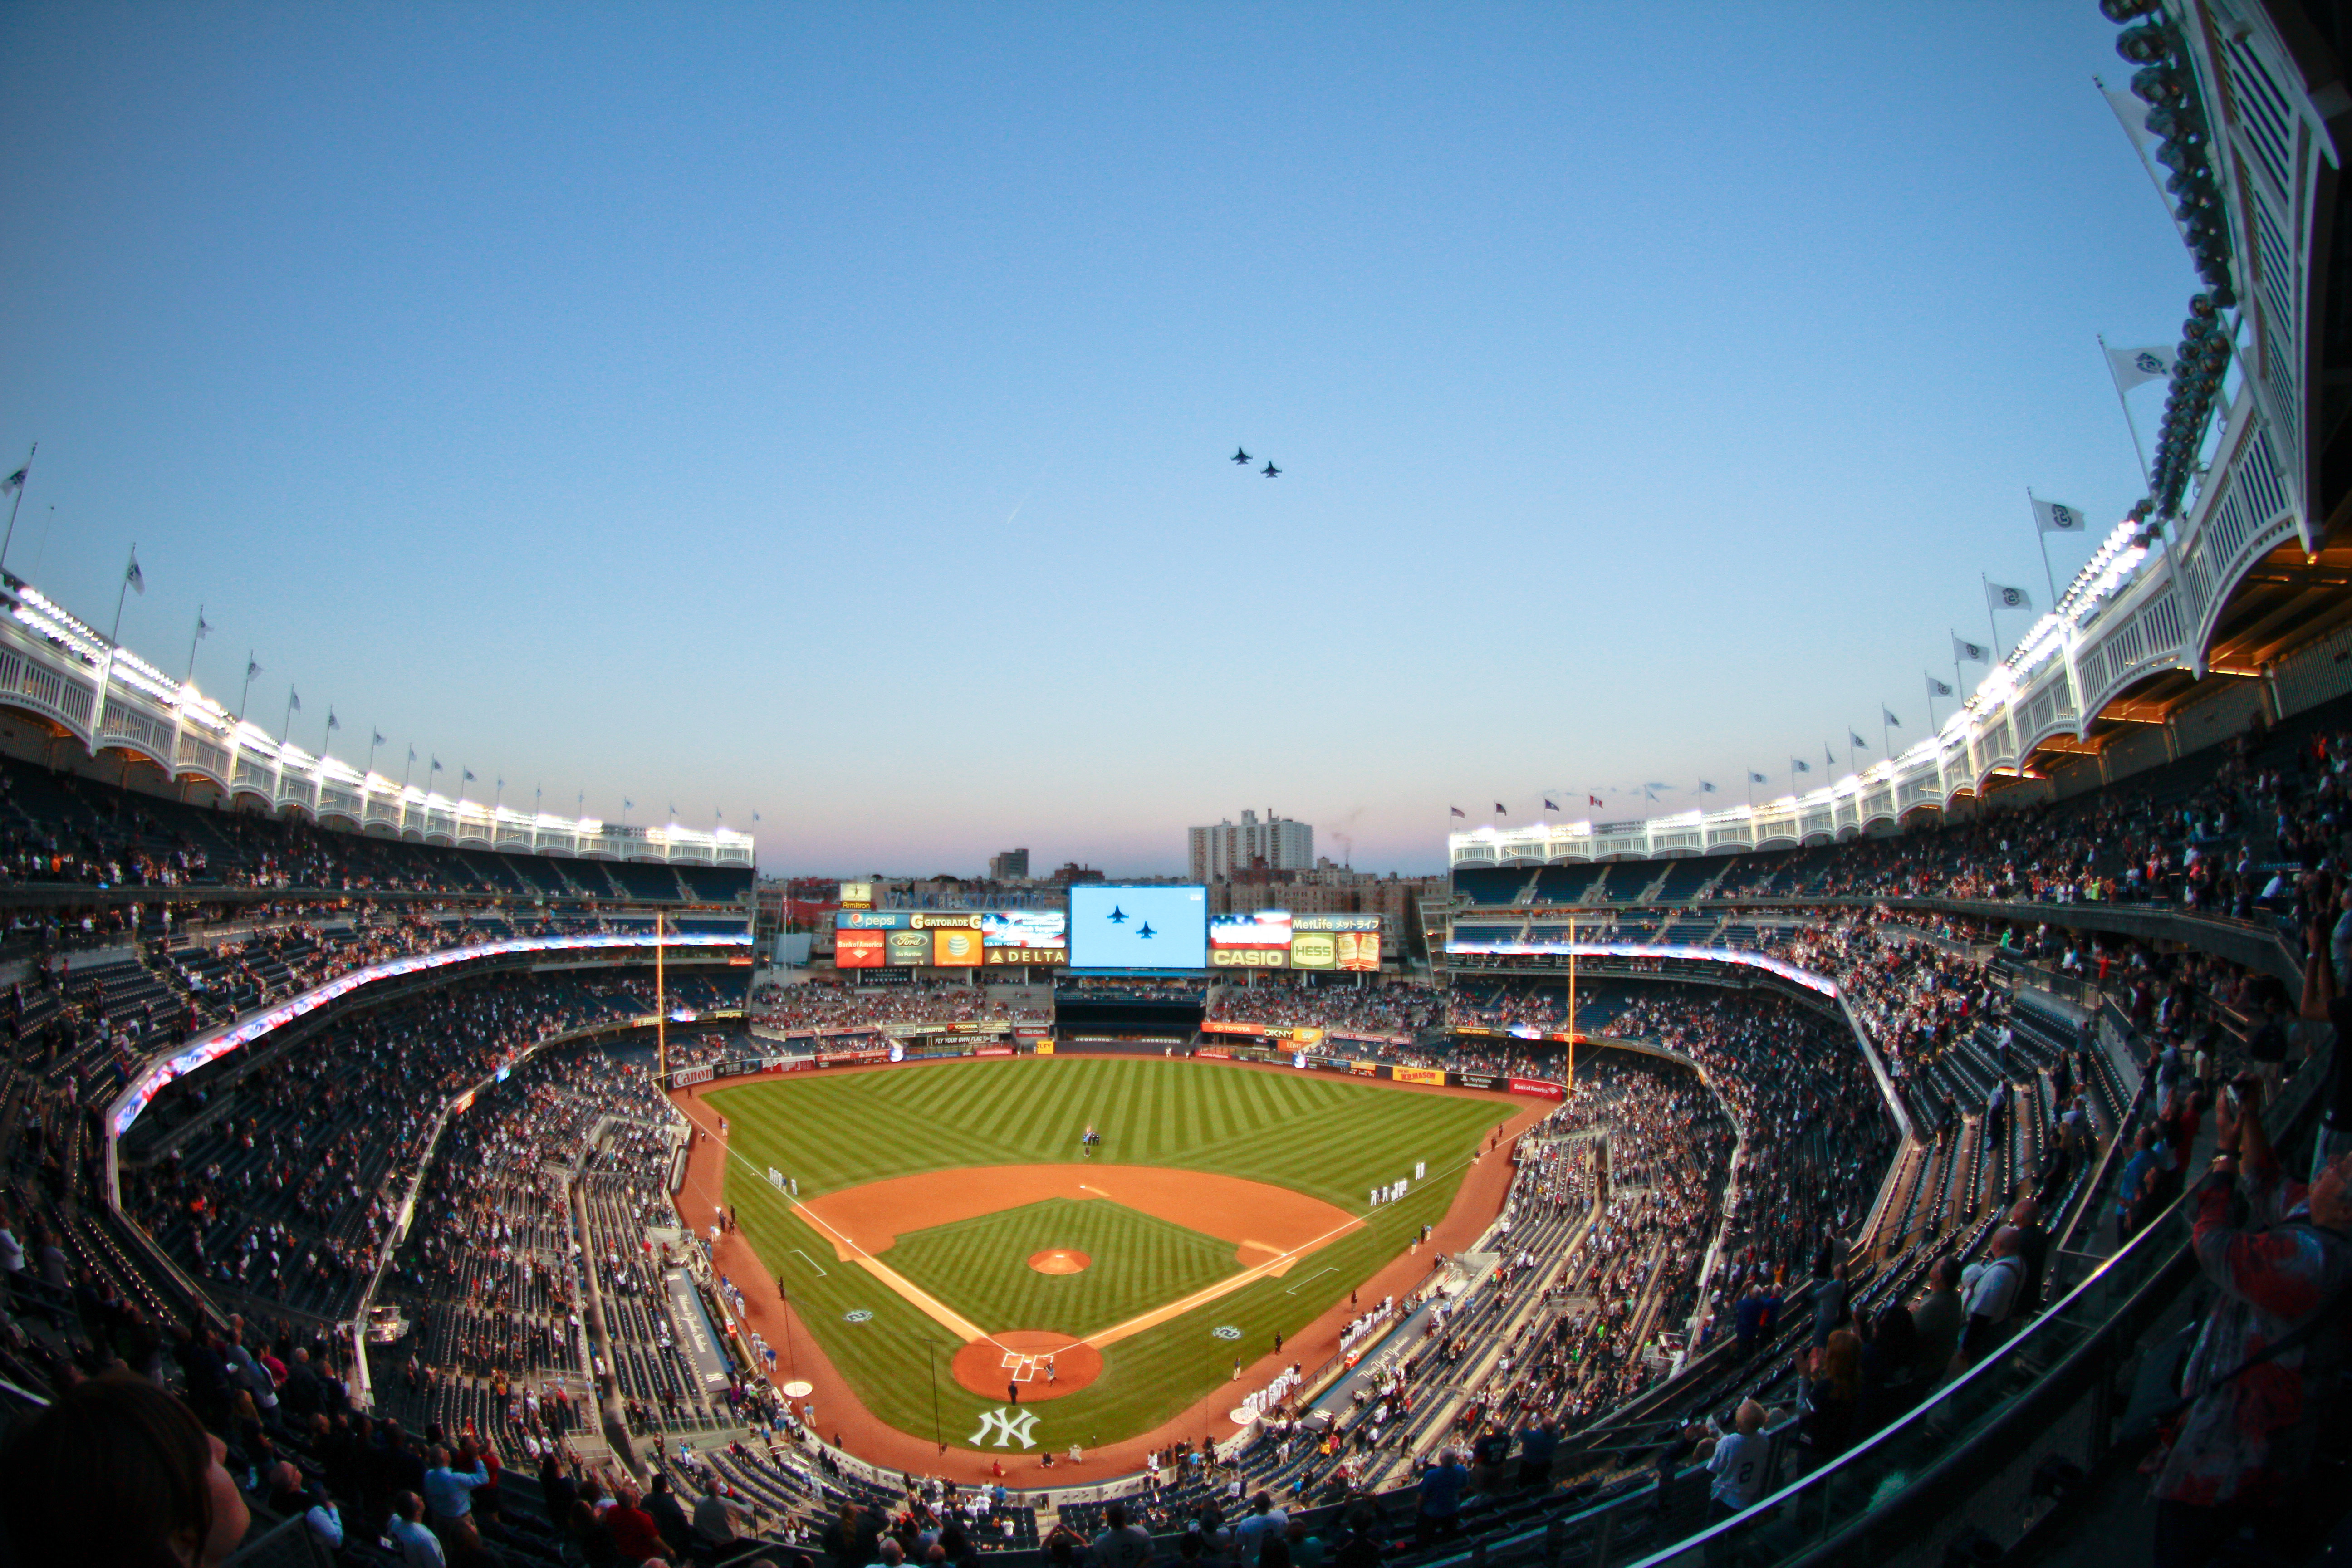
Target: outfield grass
[(981, 1266), (1324, 1135)]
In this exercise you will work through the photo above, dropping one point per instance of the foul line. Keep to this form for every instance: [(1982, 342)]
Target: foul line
[(923, 1302), (954, 1322), (822, 1272)]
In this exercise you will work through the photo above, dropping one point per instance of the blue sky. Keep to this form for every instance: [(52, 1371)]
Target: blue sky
[(822, 410)]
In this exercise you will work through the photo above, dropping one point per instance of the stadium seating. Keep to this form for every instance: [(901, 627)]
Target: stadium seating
[(272, 1188)]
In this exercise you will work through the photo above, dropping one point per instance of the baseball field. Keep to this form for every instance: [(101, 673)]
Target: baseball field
[(952, 1236)]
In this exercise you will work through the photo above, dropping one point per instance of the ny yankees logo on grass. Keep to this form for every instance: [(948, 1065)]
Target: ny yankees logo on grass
[(1010, 1427)]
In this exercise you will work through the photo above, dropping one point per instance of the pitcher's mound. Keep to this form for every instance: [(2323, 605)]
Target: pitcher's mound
[(1044, 1365), (1058, 1260)]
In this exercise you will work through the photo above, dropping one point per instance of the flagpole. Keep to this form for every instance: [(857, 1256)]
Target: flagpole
[(246, 690), (2043, 540), (285, 739), (1933, 728), (180, 701), (369, 771), (2108, 354), (1989, 619), (1886, 731), (11, 535), (106, 676)]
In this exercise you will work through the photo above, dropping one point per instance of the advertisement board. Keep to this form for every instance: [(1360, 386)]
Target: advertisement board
[(1304, 1034), (909, 948), (1026, 928), (871, 920), (1334, 922), (1417, 1075), (858, 894), (860, 949), (1360, 950), (1314, 950), (1266, 932), (1139, 928), (1543, 1086), (955, 948)]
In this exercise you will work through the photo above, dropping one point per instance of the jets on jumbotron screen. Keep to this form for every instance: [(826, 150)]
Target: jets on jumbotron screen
[(1108, 926)]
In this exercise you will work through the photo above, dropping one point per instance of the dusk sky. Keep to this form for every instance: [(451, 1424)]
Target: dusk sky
[(824, 410)]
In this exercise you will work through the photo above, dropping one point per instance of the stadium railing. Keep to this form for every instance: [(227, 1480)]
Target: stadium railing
[(2022, 1425)]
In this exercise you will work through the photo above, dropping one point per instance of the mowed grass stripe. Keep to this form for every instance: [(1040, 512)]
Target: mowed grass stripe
[(1327, 1136), (1139, 1262)]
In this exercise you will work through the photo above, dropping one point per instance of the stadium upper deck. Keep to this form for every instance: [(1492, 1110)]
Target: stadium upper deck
[(163, 734)]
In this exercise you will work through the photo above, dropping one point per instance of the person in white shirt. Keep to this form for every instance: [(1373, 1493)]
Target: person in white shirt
[(418, 1546), (1263, 1521), (1737, 1464)]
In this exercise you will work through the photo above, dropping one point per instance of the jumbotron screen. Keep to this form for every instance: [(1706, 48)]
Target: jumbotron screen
[(1139, 928)]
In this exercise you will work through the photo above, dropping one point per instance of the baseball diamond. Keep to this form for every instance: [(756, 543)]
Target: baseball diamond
[(936, 1184)]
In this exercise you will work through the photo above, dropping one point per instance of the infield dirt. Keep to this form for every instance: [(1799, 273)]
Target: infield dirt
[(841, 1416)]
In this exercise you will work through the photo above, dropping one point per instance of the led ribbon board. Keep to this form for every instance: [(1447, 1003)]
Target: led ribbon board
[(1785, 970), (212, 1047)]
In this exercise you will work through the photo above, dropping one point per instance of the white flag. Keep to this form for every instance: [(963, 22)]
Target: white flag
[(2056, 517), (2135, 367), (2002, 598), (134, 578), (1966, 652)]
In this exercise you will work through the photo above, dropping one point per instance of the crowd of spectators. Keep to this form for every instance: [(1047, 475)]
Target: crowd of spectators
[(823, 1007), (285, 1187), (1372, 1005)]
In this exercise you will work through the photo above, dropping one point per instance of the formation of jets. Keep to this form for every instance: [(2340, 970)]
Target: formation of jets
[(1241, 457), (1118, 917)]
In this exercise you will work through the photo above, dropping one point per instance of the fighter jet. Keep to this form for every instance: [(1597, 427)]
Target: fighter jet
[(1147, 930), (1270, 471), (1118, 915), (1240, 456)]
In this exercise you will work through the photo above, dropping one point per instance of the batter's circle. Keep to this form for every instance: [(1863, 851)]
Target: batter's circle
[(981, 1366)]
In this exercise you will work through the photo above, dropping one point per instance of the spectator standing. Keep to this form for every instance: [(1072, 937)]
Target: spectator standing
[(1938, 1319), (419, 1547), (2247, 1443), (1990, 1297), (1738, 1467), (1121, 1544), (1439, 1514)]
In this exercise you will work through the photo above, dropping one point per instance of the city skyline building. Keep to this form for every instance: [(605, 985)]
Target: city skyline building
[(1225, 848)]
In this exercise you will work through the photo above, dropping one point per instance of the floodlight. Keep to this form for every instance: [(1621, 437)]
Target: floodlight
[(2159, 85), (2146, 44)]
